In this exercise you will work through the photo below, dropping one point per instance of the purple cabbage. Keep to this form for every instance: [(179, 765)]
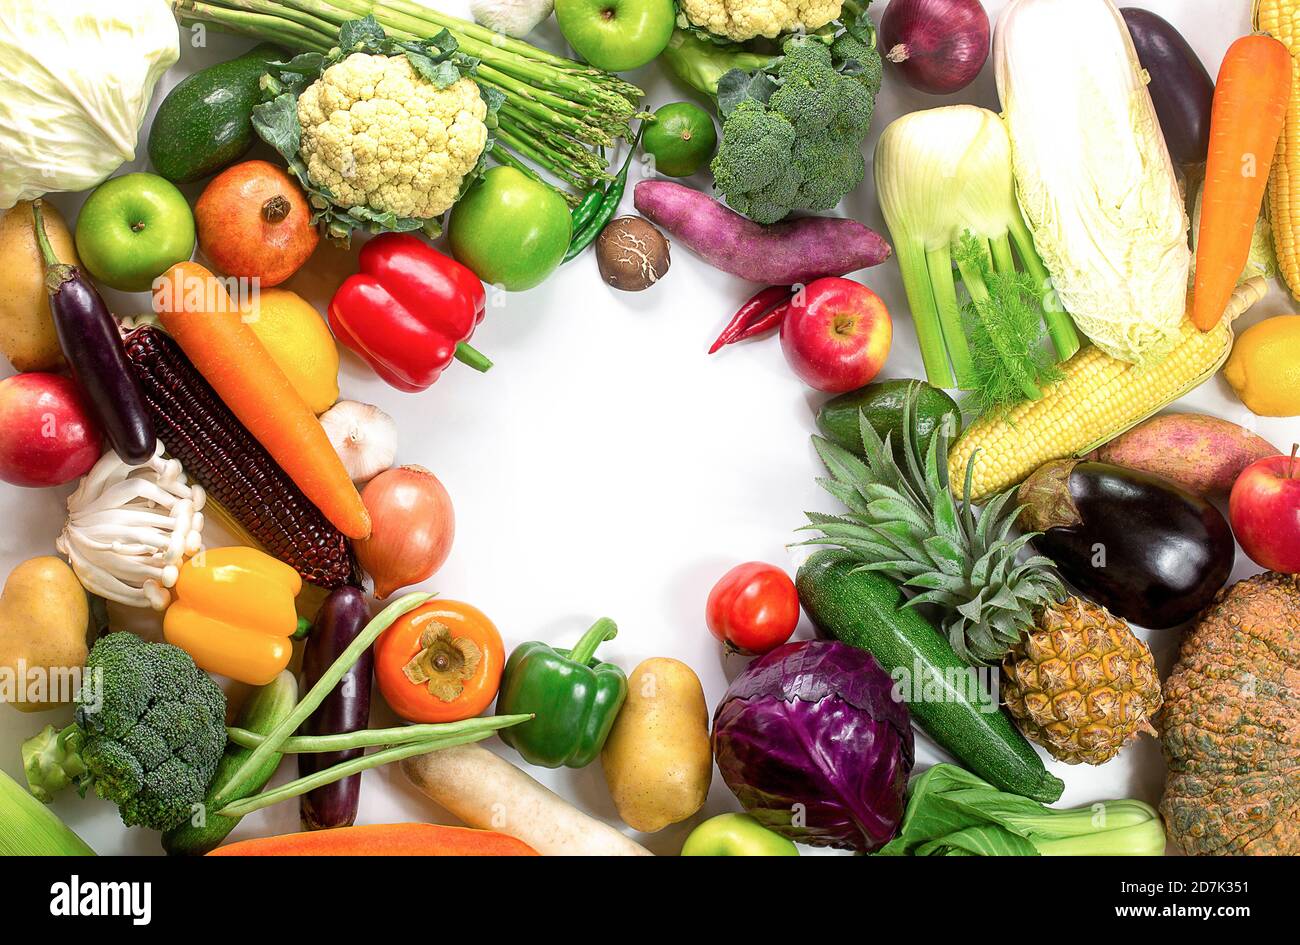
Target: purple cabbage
[(813, 743)]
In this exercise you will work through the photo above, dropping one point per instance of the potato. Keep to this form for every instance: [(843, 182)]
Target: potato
[(1202, 454), (27, 335), (657, 760), (43, 620)]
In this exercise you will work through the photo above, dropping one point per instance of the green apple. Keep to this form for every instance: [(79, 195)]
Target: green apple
[(511, 230), (736, 835), (616, 35), (132, 229)]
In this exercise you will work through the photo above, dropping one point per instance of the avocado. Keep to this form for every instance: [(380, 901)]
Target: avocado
[(882, 403), (205, 122)]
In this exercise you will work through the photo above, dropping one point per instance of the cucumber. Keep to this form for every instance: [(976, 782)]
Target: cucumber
[(205, 122), (882, 402), (864, 609), (265, 708)]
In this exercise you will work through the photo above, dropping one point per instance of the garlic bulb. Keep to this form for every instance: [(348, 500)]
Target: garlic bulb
[(364, 437), (515, 18), (129, 529)]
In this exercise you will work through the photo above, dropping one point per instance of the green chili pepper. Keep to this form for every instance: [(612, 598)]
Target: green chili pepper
[(608, 206), (586, 208), (574, 698)]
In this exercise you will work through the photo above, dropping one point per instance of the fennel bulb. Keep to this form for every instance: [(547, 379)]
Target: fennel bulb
[(1093, 175), (75, 81), (943, 179)]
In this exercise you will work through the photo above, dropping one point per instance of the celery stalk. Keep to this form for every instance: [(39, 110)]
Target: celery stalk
[(944, 287), (925, 317)]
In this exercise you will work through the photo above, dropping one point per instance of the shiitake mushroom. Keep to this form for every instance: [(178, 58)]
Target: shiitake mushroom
[(632, 254)]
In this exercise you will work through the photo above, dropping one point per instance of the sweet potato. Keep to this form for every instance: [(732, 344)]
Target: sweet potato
[(1202, 454), (792, 251)]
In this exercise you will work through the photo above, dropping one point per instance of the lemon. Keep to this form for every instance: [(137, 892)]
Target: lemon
[(299, 341), (1264, 368)]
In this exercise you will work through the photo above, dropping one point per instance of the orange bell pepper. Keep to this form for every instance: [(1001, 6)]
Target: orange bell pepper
[(441, 662), (234, 613)]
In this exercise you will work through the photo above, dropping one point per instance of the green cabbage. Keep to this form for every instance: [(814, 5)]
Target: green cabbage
[(75, 81), (1093, 175)]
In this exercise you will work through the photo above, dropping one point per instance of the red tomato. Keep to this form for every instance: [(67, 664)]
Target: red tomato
[(754, 608)]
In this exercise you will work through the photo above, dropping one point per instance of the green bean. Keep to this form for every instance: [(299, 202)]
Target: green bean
[(376, 737), (284, 792), (310, 702)]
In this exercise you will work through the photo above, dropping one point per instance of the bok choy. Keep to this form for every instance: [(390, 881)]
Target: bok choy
[(951, 812), (943, 178), (1093, 176)]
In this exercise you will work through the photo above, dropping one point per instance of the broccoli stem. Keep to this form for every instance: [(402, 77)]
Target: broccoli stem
[(52, 761), (944, 287), (376, 737)]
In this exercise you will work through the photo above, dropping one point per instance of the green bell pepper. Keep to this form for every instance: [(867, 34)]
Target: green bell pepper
[(574, 698)]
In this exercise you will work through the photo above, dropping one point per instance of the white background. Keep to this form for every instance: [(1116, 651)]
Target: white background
[(607, 466)]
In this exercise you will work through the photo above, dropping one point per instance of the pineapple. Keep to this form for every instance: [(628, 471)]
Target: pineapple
[(905, 523), (1078, 681)]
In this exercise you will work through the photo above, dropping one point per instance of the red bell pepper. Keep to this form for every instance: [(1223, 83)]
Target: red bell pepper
[(409, 311)]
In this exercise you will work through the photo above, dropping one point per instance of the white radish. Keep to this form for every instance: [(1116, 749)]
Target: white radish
[(488, 792)]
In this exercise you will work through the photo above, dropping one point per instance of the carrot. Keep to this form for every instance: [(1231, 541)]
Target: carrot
[(382, 840), (196, 310), (1250, 101)]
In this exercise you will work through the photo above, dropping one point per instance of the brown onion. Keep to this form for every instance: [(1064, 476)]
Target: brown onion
[(412, 527), (939, 46)]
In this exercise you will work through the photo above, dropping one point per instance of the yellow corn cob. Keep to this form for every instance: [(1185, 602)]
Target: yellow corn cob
[(1098, 398), (1281, 20)]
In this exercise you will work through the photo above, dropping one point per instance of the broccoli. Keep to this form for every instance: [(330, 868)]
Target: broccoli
[(148, 732), (792, 133)]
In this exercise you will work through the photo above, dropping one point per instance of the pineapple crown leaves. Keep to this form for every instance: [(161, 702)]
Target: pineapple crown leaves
[(903, 521)]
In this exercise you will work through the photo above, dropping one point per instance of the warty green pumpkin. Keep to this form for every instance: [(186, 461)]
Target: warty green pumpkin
[(1231, 724)]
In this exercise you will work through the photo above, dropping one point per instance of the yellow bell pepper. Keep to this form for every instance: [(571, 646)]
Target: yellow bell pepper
[(234, 613)]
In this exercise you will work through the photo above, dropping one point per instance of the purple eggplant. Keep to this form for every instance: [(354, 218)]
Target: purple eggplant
[(1142, 547), (91, 342), (347, 709), (1181, 90)]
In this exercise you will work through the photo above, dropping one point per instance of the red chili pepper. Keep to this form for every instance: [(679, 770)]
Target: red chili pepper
[(409, 311), (765, 323), (750, 313)]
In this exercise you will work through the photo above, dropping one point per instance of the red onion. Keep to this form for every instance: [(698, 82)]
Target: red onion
[(939, 46)]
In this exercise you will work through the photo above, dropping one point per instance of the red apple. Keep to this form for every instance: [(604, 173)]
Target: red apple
[(836, 335), (47, 436), (1265, 512)]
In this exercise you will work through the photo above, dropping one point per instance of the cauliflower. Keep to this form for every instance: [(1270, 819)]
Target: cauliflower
[(741, 20), (375, 134)]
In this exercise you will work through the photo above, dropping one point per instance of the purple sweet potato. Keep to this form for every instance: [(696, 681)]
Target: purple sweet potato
[(792, 251), (1202, 454)]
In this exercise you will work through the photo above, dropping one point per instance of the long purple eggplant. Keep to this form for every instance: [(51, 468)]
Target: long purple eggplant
[(1181, 90), (347, 709), (91, 342)]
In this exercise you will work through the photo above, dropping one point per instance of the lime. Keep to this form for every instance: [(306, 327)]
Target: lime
[(681, 139)]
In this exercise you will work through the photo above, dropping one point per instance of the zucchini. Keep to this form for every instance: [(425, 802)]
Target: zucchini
[(206, 121), (264, 709), (864, 609)]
